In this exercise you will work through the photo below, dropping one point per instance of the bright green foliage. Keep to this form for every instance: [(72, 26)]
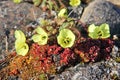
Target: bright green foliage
[(17, 1), (41, 37), (44, 22), (74, 3), (101, 31), (50, 4), (66, 38), (67, 24), (64, 25), (36, 2), (42, 77), (62, 13), (20, 44)]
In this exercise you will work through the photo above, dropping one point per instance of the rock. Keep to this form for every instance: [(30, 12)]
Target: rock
[(102, 11), (96, 71), (86, 1), (12, 17), (76, 13), (114, 52), (77, 73), (115, 2)]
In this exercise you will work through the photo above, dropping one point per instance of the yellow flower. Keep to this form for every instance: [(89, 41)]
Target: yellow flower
[(75, 3), (66, 38), (20, 44), (17, 1), (41, 37)]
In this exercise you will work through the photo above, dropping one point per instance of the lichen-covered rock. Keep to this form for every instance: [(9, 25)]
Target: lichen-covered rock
[(102, 11), (15, 16), (103, 70)]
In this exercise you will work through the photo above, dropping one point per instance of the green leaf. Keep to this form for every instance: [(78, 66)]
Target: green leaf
[(64, 25), (36, 2), (17, 1), (41, 37), (101, 31), (21, 48), (50, 4), (62, 13), (66, 38), (75, 3), (20, 36), (44, 22)]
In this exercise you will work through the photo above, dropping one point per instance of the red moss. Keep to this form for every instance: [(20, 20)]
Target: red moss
[(66, 56), (54, 49), (14, 72), (94, 50), (46, 56)]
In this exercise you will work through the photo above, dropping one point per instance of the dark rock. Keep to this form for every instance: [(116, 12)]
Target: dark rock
[(12, 17), (102, 11), (86, 1)]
